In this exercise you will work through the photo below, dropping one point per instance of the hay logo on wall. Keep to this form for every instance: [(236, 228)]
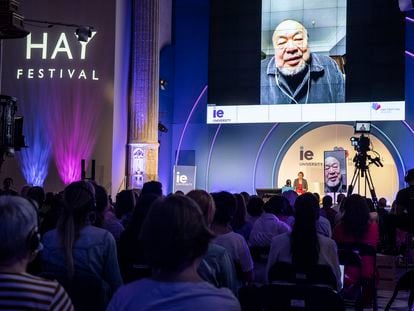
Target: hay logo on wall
[(44, 49)]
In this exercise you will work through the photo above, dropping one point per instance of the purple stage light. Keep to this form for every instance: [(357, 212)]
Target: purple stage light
[(73, 126), (34, 160)]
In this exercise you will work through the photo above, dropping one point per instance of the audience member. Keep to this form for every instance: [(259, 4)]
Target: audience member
[(76, 248), (304, 247), (239, 223), (339, 199), (175, 239), (254, 209), (8, 187), (327, 211), (355, 227), (131, 249), (245, 196), (125, 205), (216, 266), (105, 218), (38, 195), (19, 244), (268, 225), (373, 215), (291, 196), (152, 187), (234, 243)]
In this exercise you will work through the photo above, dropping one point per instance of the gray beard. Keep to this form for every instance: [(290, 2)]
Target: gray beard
[(288, 72)]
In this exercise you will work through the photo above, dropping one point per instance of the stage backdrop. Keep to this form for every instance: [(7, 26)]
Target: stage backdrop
[(307, 152), (65, 92)]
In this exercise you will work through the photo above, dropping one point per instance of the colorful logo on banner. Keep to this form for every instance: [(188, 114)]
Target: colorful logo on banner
[(184, 178)]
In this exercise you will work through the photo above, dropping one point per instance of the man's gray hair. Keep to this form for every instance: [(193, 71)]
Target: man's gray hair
[(18, 218)]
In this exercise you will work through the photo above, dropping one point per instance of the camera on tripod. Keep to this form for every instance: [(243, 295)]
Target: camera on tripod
[(362, 159)]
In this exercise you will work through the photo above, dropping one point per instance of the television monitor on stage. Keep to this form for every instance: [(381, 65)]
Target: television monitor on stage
[(306, 61), (335, 178)]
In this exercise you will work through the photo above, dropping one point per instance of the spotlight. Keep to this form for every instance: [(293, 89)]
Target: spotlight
[(84, 33), (163, 84)]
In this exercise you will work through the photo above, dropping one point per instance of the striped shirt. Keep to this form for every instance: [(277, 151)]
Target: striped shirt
[(23, 291)]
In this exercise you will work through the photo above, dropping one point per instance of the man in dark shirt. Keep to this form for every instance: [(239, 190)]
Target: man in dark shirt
[(404, 218)]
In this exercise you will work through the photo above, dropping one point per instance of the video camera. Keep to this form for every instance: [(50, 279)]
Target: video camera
[(361, 144)]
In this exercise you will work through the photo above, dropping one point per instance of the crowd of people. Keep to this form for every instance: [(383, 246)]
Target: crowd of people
[(79, 250)]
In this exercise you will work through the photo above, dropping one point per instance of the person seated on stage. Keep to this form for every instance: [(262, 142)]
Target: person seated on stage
[(254, 209), (304, 247), (300, 184), (216, 266), (327, 211), (355, 227), (76, 249), (269, 225), (287, 186), (19, 244), (175, 238), (239, 223), (234, 243)]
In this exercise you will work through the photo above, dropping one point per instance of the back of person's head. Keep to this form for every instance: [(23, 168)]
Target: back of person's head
[(102, 203), (7, 183), (291, 196), (356, 216), (277, 205), (382, 203), (288, 182), (179, 192), (246, 196), (255, 206), (174, 234), (327, 201), (37, 194), (205, 202), (340, 197), (304, 239), (78, 204), (225, 207), (239, 218), (125, 203), (317, 196), (370, 205), (141, 211), (409, 177), (153, 187), (18, 229)]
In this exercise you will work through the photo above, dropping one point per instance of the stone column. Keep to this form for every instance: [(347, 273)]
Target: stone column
[(143, 114)]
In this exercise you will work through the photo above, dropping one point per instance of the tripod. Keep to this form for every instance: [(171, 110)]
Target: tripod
[(362, 170)]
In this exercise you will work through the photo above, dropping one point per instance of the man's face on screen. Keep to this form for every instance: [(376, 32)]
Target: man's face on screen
[(332, 172), (290, 41)]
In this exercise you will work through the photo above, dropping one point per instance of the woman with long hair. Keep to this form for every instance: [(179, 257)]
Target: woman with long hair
[(304, 247), (175, 238), (355, 227), (76, 249)]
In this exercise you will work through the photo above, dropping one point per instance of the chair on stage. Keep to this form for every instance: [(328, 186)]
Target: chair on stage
[(319, 274), (357, 288), (405, 283), (290, 297)]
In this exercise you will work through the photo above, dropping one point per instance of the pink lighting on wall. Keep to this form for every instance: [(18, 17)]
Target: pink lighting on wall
[(72, 125)]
